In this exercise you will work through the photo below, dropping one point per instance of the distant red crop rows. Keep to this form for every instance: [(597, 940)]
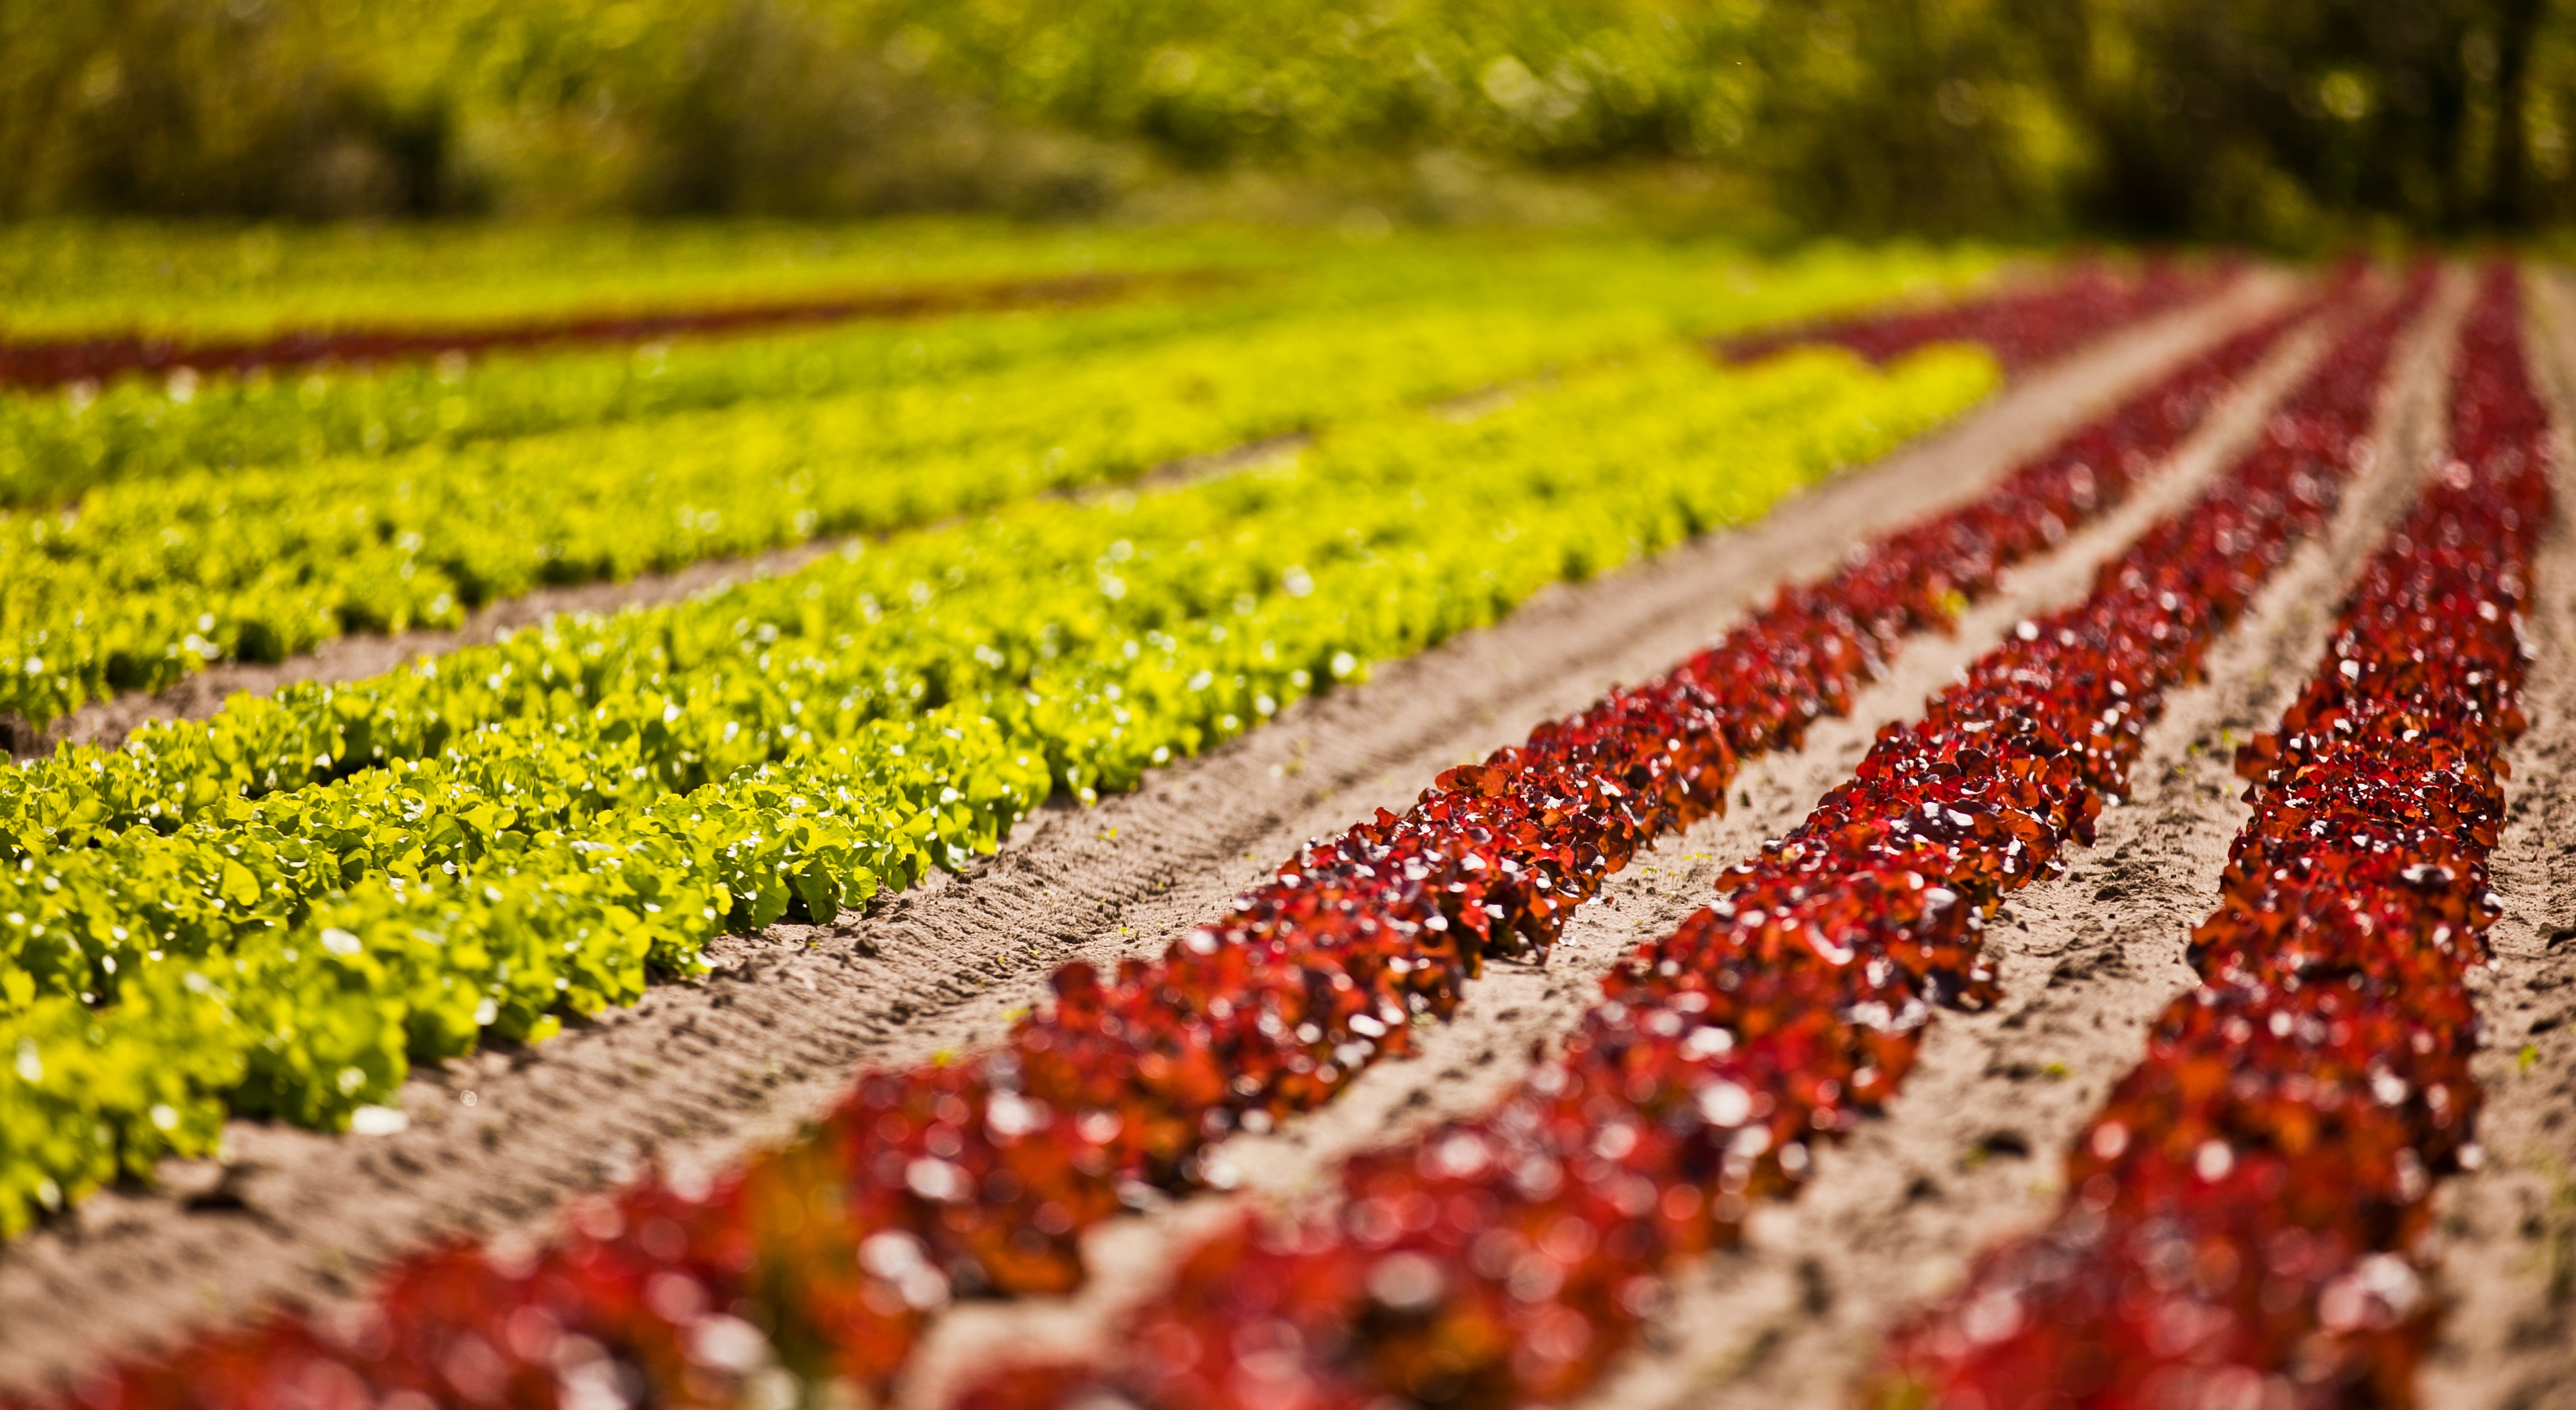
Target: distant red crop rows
[(2022, 325), (1503, 1260), (2241, 1210), (827, 1257), (56, 362)]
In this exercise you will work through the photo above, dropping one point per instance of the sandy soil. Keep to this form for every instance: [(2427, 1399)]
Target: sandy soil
[(695, 1074), (2505, 1240)]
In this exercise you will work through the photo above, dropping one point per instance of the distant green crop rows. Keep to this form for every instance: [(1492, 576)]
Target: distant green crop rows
[(73, 279), (278, 909), (55, 446), (574, 468)]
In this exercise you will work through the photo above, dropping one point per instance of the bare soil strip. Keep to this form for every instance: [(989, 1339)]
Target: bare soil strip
[(1471, 1062), (1971, 1151), (2505, 1235), (696, 1074)]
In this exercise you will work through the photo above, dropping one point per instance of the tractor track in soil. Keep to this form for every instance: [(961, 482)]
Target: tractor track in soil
[(694, 1075)]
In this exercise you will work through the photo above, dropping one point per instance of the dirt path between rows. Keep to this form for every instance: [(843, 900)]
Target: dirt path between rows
[(693, 1075), (2505, 1236), (1469, 1063)]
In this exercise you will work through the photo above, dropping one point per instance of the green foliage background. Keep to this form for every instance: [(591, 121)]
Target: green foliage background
[(2287, 122)]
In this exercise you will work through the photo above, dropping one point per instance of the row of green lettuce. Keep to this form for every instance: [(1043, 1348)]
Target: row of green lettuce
[(212, 281), (152, 577), (55, 445), (279, 909)]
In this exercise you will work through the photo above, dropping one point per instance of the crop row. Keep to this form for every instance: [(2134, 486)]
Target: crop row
[(2241, 1211), (153, 577), (2022, 327), (54, 362), (86, 279), (1506, 1258), (980, 1175), (52, 448), (277, 909)]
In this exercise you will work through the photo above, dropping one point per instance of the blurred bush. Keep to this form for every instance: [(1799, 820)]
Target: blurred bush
[(332, 108), (2289, 122)]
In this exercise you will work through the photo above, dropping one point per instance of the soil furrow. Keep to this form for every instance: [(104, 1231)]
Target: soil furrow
[(695, 1074), (2505, 1235), (1970, 1151), (1471, 1062)]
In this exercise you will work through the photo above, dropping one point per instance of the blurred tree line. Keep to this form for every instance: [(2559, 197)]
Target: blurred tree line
[(2284, 122)]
